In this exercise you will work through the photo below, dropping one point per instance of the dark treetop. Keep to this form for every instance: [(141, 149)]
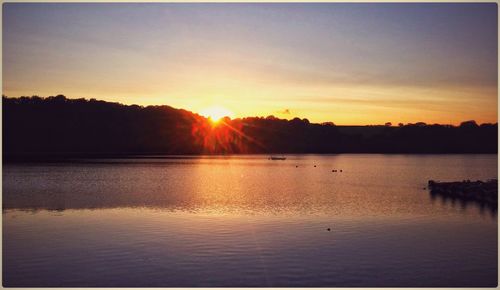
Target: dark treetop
[(35, 127)]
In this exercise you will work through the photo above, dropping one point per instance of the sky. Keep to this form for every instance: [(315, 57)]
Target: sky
[(352, 64)]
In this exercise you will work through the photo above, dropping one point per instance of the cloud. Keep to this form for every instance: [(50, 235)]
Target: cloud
[(284, 112)]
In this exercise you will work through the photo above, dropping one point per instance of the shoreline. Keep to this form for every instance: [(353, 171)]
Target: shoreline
[(64, 157)]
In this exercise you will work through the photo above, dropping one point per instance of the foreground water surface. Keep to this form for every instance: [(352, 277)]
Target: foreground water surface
[(247, 221)]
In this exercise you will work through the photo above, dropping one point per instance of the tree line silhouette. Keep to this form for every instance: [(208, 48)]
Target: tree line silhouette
[(58, 126)]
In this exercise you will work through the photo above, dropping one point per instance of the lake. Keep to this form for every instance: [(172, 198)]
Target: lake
[(245, 220)]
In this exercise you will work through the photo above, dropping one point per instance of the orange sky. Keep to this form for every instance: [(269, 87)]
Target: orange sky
[(346, 63)]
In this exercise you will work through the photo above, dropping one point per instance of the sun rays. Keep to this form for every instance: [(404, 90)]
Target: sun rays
[(216, 113), (217, 133)]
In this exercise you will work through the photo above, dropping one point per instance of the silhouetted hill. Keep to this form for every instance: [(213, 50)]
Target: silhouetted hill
[(34, 126)]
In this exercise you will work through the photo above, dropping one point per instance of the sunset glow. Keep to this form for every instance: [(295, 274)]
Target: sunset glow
[(216, 113), (349, 63), (249, 144)]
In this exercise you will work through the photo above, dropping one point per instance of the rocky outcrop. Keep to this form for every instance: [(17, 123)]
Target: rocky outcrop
[(480, 191)]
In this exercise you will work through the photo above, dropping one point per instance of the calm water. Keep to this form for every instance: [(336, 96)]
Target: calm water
[(247, 221)]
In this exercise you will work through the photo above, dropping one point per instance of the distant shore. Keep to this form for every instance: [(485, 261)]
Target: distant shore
[(56, 128), (83, 157)]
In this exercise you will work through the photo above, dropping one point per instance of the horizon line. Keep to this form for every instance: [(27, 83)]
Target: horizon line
[(393, 124)]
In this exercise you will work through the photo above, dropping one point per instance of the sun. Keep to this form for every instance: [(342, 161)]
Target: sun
[(216, 113)]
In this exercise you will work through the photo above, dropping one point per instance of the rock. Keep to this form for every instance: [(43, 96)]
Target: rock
[(484, 192)]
